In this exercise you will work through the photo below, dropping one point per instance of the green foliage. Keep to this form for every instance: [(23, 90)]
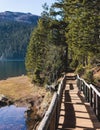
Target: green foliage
[(82, 33), (97, 81), (14, 38), (88, 76), (46, 51), (36, 53), (73, 64), (67, 27), (80, 70)]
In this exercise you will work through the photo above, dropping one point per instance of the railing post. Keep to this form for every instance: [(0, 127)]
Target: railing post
[(96, 105), (91, 97), (87, 94), (98, 108), (81, 85), (53, 122), (91, 94), (57, 114), (84, 89), (95, 102)]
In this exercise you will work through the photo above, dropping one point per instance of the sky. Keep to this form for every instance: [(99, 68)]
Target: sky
[(26, 6)]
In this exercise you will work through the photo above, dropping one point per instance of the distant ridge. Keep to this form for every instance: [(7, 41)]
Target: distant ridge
[(18, 16), (15, 31)]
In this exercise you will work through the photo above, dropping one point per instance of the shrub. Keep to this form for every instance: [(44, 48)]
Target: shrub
[(88, 76), (80, 70), (97, 81)]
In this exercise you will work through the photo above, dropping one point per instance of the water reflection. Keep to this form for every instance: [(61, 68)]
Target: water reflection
[(11, 69), (12, 118)]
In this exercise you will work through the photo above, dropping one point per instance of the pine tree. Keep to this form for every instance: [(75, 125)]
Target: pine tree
[(81, 32), (46, 50)]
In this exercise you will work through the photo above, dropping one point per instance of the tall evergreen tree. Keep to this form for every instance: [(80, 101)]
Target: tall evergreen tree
[(35, 59), (82, 32), (46, 50)]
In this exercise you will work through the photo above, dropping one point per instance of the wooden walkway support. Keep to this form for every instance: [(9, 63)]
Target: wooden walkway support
[(75, 106)]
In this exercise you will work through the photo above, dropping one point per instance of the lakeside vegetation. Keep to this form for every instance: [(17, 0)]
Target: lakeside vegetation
[(67, 36)]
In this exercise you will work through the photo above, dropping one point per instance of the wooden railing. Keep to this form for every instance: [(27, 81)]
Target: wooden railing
[(49, 122), (92, 95)]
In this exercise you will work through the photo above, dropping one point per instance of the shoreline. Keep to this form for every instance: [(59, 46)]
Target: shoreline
[(23, 93)]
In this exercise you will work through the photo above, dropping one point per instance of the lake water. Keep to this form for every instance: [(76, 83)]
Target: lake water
[(11, 69), (12, 117)]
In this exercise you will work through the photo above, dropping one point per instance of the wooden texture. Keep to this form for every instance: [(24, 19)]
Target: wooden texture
[(75, 112)]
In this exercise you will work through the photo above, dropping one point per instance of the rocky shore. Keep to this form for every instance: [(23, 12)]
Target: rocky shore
[(4, 101), (20, 92)]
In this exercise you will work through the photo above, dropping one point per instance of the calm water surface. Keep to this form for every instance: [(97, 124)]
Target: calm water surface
[(12, 117), (11, 69)]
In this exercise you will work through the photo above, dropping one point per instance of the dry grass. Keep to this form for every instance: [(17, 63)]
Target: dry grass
[(22, 92), (20, 87), (16, 87)]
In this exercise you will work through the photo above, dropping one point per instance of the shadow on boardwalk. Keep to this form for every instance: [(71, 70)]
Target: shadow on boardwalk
[(70, 119), (75, 113)]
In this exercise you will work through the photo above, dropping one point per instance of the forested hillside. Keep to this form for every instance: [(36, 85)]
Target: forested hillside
[(15, 31), (67, 35)]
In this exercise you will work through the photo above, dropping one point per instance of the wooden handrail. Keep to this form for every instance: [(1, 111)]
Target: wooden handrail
[(95, 90), (50, 119), (47, 118), (92, 95), (90, 86), (83, 81)]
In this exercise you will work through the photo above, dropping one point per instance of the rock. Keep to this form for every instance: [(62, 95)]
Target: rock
[(4, 101), (2, 97), (52, 88)]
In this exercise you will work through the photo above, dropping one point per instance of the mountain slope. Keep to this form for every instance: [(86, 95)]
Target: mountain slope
[(19, 17), (15, 30)]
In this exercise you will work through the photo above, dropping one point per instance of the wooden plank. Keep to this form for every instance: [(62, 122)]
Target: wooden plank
[(75, 112)]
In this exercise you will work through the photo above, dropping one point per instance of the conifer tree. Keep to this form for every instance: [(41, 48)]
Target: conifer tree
[(46, 50), (82, 33)]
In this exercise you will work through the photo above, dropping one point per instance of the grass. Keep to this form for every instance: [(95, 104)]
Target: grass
[(16, 87), (21, 91), (20, 87)]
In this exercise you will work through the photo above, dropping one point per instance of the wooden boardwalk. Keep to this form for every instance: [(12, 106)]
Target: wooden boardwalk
[(75, 112)]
